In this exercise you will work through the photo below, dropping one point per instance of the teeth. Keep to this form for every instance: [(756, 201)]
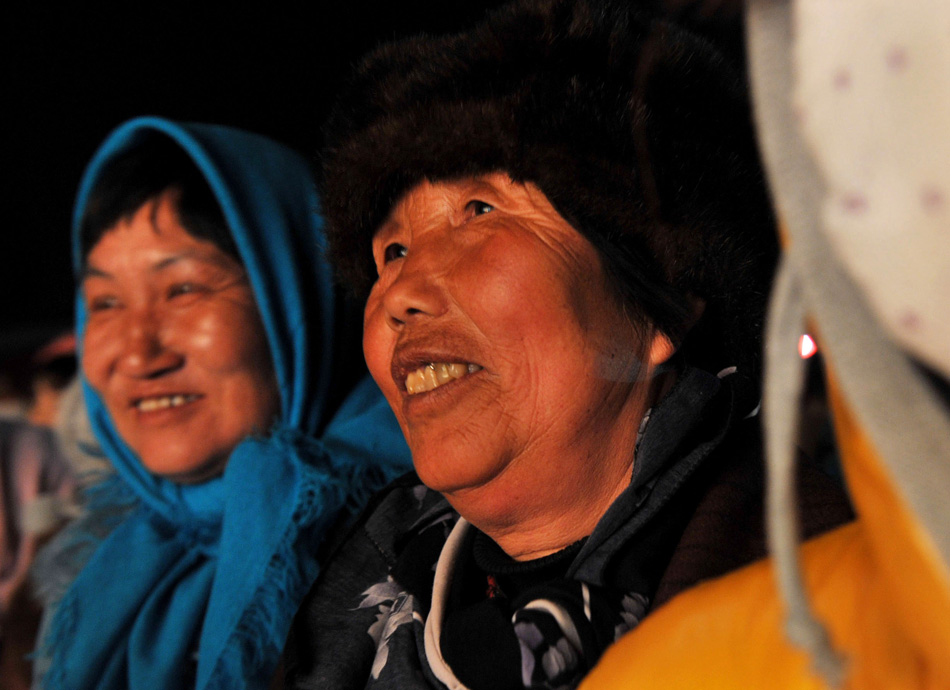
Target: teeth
[(434, 374), (164, 402)]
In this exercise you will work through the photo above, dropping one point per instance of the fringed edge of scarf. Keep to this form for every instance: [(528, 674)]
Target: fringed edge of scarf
[(331, 485)]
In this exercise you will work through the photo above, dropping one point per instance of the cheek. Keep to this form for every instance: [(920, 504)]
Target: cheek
[(232, 349), (517, 298), (90, 365), (541, 314), (377, 347), (493, 280), (223, 339), (99, 348)]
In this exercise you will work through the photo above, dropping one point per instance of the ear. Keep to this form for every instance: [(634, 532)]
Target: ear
[(661, 345), (661, 348)]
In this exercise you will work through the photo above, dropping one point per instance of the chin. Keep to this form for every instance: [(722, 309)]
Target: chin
[(198, 475), (449, 474), (189, 471), (435, 471)]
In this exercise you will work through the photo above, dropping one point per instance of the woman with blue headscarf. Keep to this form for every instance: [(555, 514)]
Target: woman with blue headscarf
[(214, 355)]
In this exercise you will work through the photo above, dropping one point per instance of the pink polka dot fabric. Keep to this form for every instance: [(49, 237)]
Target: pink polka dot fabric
[(873, 100)]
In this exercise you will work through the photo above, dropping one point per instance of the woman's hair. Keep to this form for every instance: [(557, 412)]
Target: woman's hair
[(637, 131), (142, 173)]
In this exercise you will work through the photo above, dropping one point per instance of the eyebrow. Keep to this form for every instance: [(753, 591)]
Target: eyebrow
[(92, 272), (175, 258), (389, 228)]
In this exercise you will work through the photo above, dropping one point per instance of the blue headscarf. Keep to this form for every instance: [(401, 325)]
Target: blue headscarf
[(196, 585)]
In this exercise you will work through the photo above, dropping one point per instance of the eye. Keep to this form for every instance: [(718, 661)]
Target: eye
[(103, 303), (476, 207), (394, 251), (179, 289)]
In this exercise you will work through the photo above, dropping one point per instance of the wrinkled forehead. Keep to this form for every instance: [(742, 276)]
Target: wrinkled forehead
[(497, 189)]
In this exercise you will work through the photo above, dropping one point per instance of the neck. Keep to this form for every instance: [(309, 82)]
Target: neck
[(551, 497), (528, 537)]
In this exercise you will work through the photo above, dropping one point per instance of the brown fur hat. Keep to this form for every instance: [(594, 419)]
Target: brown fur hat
[(637, 132)]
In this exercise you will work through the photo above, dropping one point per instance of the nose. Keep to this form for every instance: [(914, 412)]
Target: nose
[(417, 292), (144, 351)]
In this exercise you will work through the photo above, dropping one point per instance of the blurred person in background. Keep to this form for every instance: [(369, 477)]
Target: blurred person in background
[(36, 484)]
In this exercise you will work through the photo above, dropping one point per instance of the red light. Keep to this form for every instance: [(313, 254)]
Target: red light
[(807, 346)]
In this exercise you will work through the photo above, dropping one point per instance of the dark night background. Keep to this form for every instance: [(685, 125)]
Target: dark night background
[(74, 73)]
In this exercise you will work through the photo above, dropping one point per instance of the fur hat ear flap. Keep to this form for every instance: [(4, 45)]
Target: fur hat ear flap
[(637, 131)]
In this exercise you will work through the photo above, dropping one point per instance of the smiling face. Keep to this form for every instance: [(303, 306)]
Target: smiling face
[(174, 344), (515, 374)]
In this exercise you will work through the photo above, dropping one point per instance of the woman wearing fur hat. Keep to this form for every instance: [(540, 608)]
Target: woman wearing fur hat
[(562, 229)]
